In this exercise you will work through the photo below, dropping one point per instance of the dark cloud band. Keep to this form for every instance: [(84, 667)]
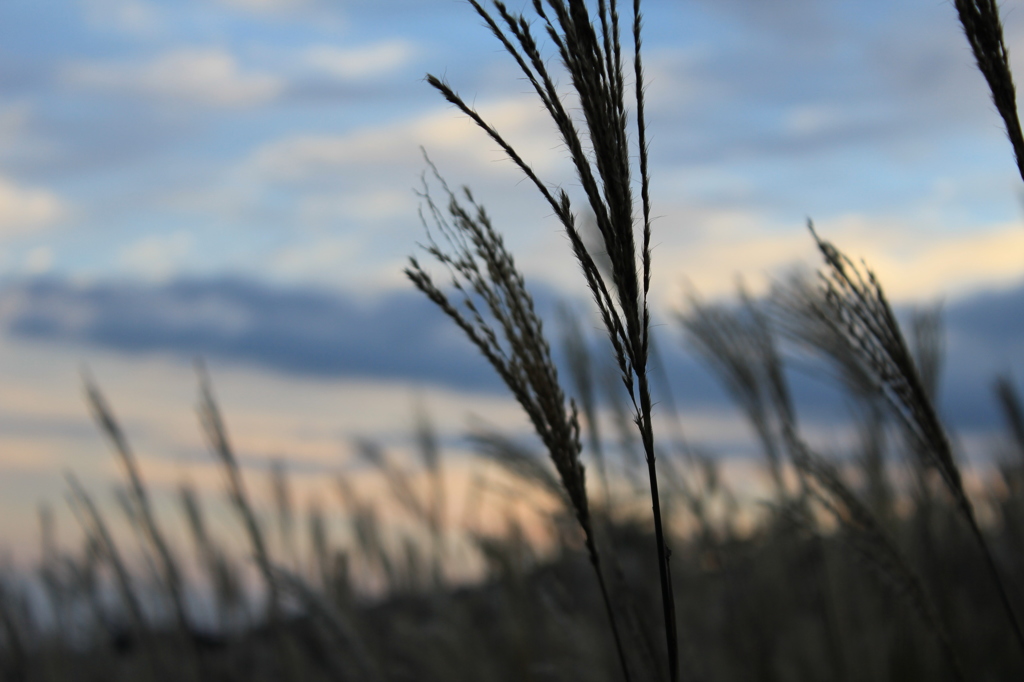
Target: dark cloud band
[(401, 336)]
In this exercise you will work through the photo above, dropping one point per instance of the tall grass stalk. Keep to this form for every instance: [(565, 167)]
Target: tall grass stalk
[(870, 539), (1013, 413), (580, 365), (140, 511), (729, 342), (858, 308), (95, 528), (497, 314), (437, 507), (227, 587), (217, 435), (984, 31), (588, 44), (284, 509), (741, 348), (359, 665), (15, 666)]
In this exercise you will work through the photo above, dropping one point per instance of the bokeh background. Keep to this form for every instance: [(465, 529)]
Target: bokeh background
[(237, 180)]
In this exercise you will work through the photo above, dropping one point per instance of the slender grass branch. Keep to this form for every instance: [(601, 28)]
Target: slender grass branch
[(591, 53)]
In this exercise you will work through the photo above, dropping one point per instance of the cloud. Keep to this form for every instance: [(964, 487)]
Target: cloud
[(134, 17), (915, 258), (984, 339), (301, 158), (788, 19), (310, 333), (362, 204), (799, 80), (13, 122), (24, 209), (359, 62), (158, 257), (316, 255), (39, 260), (962, 262), (297, 331), (199, 76), (267, 6)]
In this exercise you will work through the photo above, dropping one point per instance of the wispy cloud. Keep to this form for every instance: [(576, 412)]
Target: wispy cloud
[(301, 158), (134, 17), (158, 257), (24, 209), (39, 260), (267, 6), (13, 120), (197, 76), (359, 62)]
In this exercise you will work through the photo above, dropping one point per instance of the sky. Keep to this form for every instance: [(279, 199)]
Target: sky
[(237, 180)]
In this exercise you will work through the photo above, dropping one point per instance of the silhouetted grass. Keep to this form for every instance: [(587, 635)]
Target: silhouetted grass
[(871, 562)]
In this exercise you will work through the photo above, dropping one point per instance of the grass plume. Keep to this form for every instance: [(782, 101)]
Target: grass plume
[(497, 314), (984, 31), (857, 306), (589, 47)]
